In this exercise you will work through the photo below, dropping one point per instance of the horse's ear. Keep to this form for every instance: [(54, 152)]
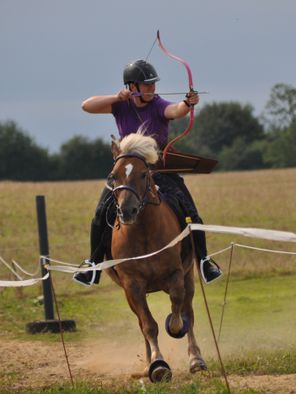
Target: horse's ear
[(115, 147)]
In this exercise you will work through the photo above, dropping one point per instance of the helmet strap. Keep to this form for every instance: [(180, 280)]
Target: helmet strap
[(141, 97)]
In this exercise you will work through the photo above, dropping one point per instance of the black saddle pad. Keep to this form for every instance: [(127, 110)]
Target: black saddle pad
[(180, 212)]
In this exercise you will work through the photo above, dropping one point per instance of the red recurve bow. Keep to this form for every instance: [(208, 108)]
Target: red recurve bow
[(190, 82)]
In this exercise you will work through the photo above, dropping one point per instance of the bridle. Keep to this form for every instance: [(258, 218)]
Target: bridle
[(144, 199)]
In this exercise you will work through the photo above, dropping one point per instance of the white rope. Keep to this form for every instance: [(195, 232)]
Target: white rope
[(44, 258), (220, 251), (24, 271), (21, 283), (264, 250), (247, 232), (10, 268), (111, 263), (272, 235)]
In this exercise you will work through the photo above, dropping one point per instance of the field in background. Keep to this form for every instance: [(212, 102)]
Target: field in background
[(258, 334), (264, 199)]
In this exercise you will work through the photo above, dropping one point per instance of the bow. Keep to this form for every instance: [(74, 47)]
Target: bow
[(190, 82)]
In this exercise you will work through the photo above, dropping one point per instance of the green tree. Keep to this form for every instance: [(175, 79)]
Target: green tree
[(280, 148), (226, 131), (81, 158), (20, 157), (280, 110), (240, 156), (220, 124)]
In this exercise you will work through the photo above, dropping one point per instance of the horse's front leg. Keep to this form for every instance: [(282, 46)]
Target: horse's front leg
[(136, 297), (145, 374), (175, 322), (158, 369)]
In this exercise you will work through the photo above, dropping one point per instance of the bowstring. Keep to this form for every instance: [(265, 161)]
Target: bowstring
[(150, 50)]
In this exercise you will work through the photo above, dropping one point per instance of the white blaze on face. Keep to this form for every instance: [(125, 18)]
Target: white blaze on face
[(128, 169)]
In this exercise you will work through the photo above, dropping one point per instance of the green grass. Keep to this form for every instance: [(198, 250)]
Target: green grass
[(259, 314), (203, 387)]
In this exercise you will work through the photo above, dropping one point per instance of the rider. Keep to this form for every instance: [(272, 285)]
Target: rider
[(134, 106)]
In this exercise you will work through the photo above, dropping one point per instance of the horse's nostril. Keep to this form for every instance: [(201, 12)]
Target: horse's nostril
[(127, 214)]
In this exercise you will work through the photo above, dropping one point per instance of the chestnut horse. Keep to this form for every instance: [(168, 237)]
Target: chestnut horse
[(145, 224)]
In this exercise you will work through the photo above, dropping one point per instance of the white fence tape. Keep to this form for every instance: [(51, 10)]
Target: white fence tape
[(21, 283), (272, 235), (264, 249), (247, 232), (111, 263)]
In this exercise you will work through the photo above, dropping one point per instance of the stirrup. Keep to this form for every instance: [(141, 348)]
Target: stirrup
[(80, 277), (214, 272)]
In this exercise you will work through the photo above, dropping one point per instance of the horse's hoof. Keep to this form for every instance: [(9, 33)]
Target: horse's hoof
[(160, 371), (197, 364), (179, 334)]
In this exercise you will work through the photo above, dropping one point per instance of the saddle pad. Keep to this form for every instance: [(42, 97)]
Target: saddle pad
[(180, 212)]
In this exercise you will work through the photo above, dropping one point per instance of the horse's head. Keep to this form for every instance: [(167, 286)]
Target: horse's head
[(130, 178)]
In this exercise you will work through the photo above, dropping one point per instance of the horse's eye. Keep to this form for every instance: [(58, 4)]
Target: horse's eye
[(143, 175), (110, 179)]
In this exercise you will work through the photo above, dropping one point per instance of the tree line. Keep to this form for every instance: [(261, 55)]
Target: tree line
[(79, 158), (230, 133), (226, 131)]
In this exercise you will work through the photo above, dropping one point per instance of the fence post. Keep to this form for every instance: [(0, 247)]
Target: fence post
[(44, 251), (50, 324)]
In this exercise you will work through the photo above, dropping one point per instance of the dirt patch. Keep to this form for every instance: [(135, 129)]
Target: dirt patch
[(33, 364)]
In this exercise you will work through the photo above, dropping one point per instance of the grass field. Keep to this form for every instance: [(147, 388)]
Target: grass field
[(258, 333)]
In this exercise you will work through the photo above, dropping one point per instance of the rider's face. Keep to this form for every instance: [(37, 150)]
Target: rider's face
[(147, 91), (144, 88)]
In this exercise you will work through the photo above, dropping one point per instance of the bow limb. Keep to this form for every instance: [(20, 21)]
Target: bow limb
[(190, 82)]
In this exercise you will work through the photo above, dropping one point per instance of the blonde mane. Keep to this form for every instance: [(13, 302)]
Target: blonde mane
[(140, 144)]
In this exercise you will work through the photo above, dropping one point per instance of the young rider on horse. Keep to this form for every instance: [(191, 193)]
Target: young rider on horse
[(133, 107)]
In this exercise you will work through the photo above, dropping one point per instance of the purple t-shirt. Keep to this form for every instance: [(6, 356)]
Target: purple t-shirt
[(129, 118)]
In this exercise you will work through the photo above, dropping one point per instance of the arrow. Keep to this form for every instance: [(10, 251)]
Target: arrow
[(138, 94)]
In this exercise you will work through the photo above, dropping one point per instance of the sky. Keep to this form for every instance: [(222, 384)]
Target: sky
[(56, 53)]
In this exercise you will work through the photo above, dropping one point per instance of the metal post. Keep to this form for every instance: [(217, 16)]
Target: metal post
[(44, 251), (50, 324)]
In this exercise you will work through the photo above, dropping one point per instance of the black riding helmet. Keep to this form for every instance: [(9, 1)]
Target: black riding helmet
[(140, 71)]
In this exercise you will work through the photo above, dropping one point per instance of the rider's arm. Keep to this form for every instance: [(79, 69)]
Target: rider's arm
[(103, 104), (178, 110)]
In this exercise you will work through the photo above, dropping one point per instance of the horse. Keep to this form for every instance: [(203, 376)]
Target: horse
[(146, 223)]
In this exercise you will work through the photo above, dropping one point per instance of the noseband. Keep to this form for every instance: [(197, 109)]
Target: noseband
[(144, 200)]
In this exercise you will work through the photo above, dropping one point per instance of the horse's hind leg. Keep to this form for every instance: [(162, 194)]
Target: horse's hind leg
[(196, 362)]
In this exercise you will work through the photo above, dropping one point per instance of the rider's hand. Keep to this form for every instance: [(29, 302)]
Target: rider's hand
[(192, 98), (124, 95)]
